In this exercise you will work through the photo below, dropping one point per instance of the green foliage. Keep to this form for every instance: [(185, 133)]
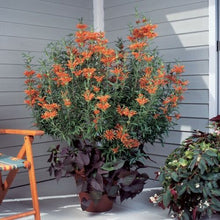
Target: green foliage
[(118, 99), (191, 177), (105, 103)]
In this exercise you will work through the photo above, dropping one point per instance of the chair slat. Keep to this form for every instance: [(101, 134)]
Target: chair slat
[(11, 163)]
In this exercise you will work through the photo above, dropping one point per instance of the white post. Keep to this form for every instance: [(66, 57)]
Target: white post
[(213, 59), (98, 15)]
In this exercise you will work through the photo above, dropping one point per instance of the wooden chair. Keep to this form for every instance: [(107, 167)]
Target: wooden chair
[(24, 159)]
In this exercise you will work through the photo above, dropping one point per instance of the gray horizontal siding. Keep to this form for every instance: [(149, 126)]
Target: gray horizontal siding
[(49, 7), (183, 36), (29, 25), (126, 8)]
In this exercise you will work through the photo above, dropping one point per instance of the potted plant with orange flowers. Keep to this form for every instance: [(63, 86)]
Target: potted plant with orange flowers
[(105, 104)]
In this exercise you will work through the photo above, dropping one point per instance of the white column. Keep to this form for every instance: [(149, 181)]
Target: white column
[(213, 59), (98, 15)]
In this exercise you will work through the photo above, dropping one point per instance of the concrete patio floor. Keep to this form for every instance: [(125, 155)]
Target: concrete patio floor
[(67, 207)]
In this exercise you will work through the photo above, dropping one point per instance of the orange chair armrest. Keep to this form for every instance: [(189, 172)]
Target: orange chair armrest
[(22, 132)]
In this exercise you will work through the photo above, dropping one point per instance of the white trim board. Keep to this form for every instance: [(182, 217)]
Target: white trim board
[(213, 59), (98, 15)]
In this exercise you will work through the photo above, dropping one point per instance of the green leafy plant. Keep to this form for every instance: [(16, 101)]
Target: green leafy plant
[(191, 176), (113, 99)]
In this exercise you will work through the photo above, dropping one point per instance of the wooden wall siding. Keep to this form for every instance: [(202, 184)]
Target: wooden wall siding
[(183, 36), (29, 25)]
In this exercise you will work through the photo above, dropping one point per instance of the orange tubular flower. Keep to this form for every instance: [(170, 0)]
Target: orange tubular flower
[(115, 150), (143, 82), (131, 113), (138, 46), (99, 78), (179, 89), (108, 60), (152, 89), (49, 115), (88, 72), (29, 81), (137, 55), (77, 73), (148, 58), (143, 32), (125, 111), (57, 68), (119, 131), (119, 110), (86, 54), (88, 95), (31, 92), (42, 100), (177, 69), (70, 64), (67, 102), (141, 99), (109, 134), (156, 116), (95, 121), (96, 89), (123, 76), (82, 26), (177, 116), (30, 102), (39, 76), (169, 118), (96, 111), (77, 61), (50, 107), (167, 101), (129, 142), (117, 71), (103, 105), (103, 98), (148, 71), (29, 73)]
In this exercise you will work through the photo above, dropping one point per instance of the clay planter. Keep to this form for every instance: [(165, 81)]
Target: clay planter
[(103, 205)]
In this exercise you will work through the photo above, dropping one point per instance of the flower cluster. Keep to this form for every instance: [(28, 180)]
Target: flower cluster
[(118, 99)]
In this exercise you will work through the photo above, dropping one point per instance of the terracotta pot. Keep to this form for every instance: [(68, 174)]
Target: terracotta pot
[(103, 205)]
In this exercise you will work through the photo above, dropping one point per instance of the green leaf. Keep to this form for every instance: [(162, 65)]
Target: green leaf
[(208, 160), (193, 163), (209, 212), (113, 165), (181, 190), (186, 216), (211, 153), (216, 202), (192, 186), (215, 208), (216, 192), (202, 165), (166, 198), (183, 162), (205, 194), (175, 176), (161, 177)]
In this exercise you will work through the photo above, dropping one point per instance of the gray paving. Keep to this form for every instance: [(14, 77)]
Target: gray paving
[(67, 207)]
